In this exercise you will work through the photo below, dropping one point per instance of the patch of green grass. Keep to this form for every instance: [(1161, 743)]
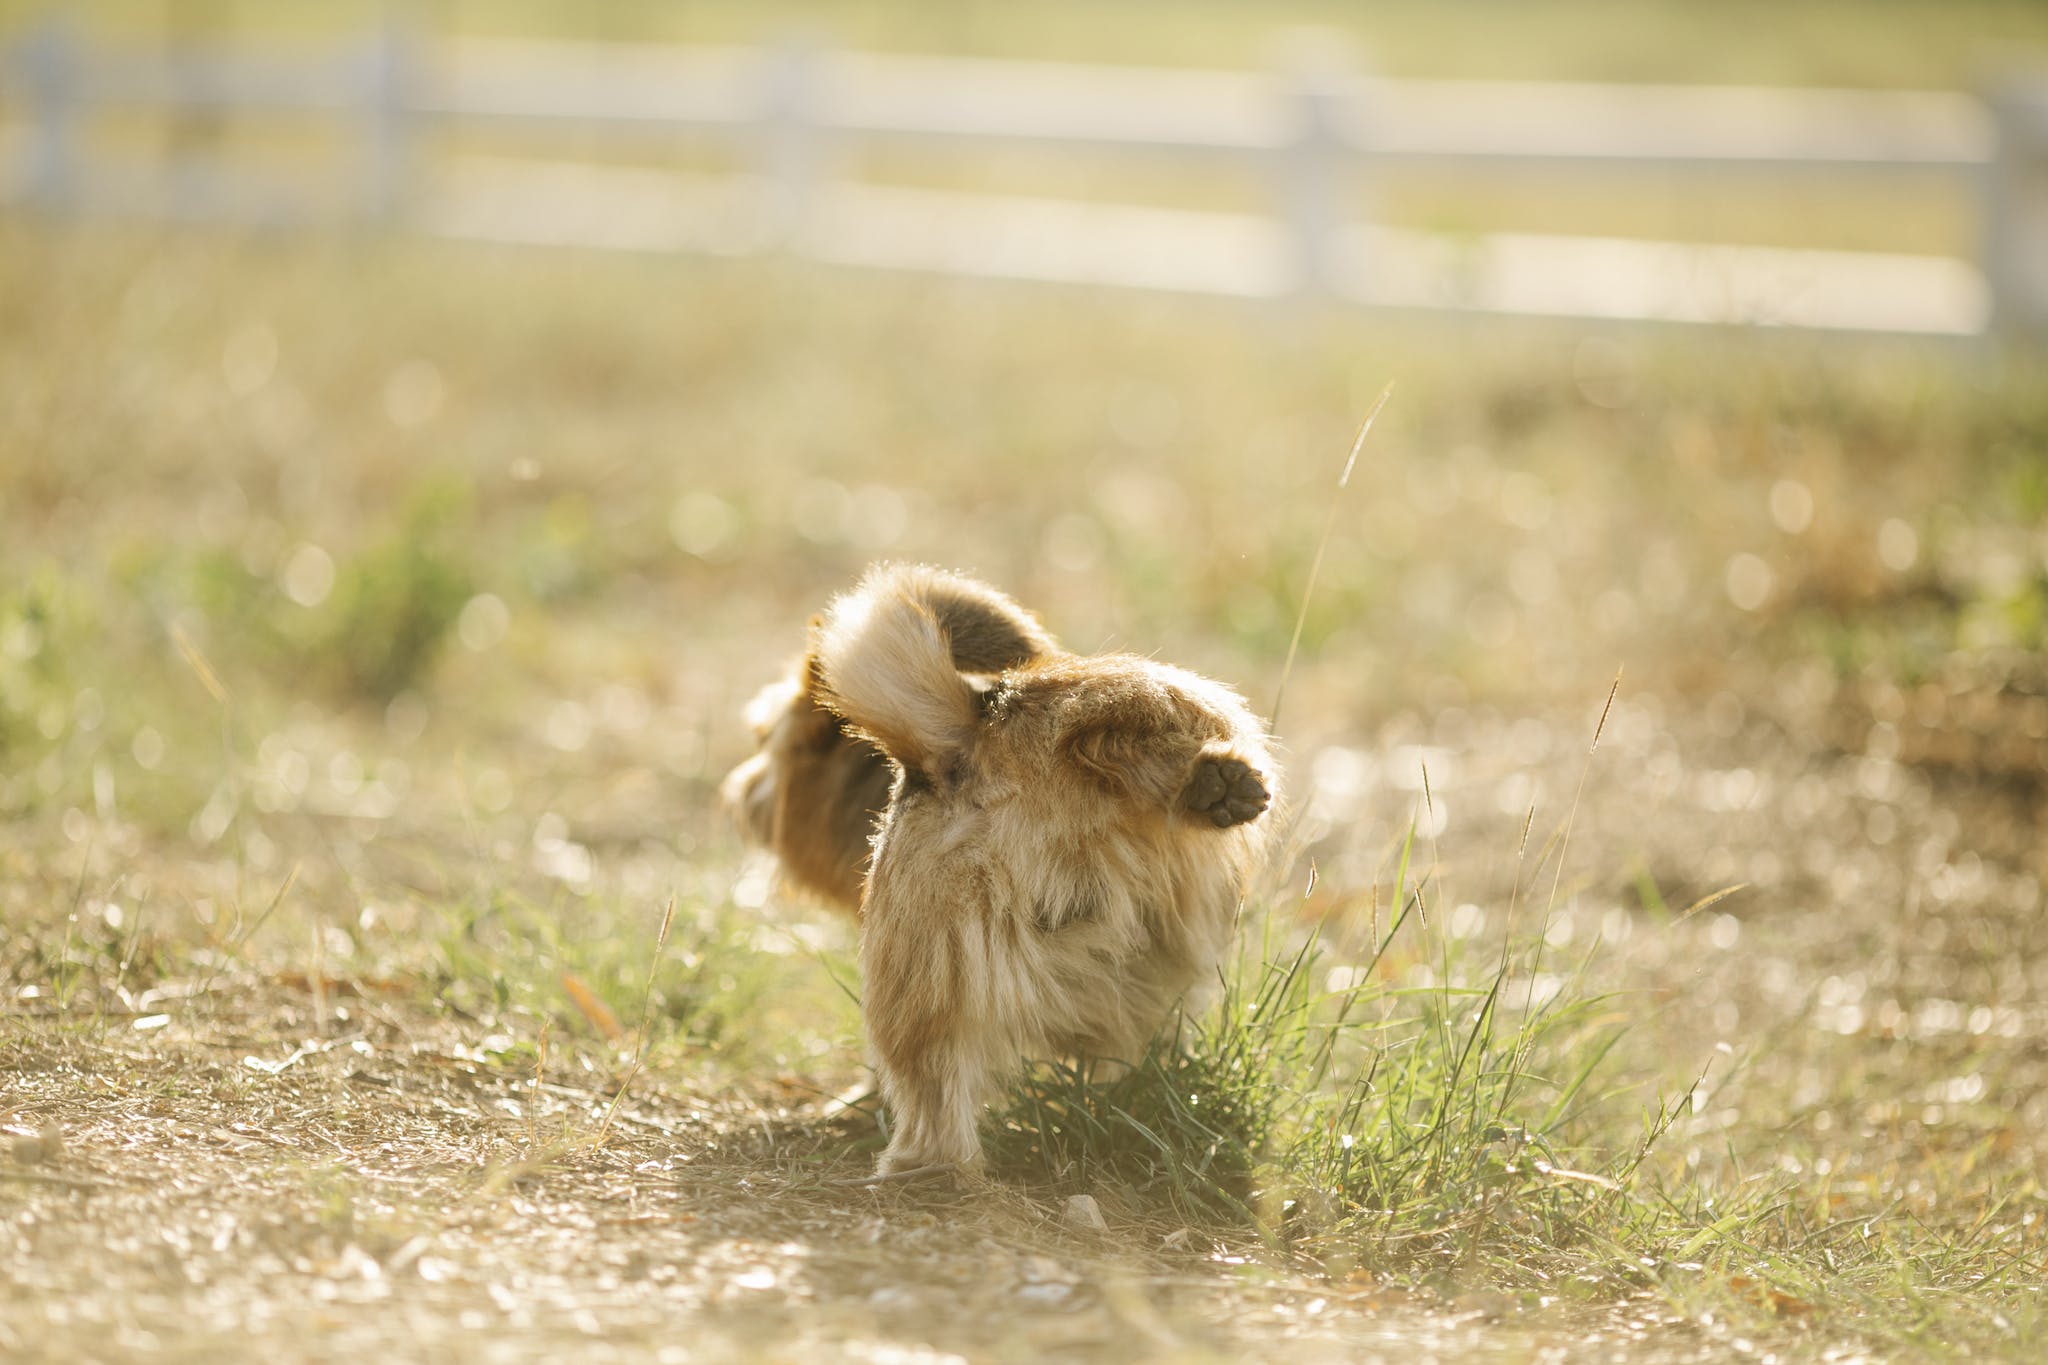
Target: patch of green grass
[(32, 627), (366, 627), (1193, 1121), (714, 981), (396, 601), (1421, 1111), (1457, 1112)]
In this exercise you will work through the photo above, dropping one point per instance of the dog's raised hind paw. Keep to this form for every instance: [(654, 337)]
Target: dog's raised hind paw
[(1225, 791)]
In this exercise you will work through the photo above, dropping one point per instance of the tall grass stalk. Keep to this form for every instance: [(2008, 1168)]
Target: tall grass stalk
[(1315, 567)]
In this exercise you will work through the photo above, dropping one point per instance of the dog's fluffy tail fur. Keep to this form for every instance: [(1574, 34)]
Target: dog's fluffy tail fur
[(891, 655)]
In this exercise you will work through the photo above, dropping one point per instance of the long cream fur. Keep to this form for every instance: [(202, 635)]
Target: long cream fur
[(1060, 861)]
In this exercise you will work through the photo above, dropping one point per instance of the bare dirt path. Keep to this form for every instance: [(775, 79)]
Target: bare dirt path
[(247, 1171), (377, 1196)]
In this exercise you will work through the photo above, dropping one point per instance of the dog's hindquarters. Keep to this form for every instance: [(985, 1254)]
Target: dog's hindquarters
[(814, 792)]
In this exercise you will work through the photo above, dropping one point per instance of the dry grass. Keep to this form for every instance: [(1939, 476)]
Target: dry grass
[(323, 969)]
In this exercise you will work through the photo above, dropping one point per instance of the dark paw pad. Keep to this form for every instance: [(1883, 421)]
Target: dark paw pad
[(1226, 791)]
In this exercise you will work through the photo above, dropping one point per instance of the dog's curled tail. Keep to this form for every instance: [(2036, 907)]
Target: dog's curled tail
[(886, 656)]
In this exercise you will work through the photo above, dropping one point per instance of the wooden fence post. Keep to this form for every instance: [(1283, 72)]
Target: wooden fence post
[(387, 138), (1314, 169), (791, 160), (2015, 206), (51, 58)]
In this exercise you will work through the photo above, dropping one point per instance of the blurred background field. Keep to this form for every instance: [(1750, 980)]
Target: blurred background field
[(376, 611), (1907, 44), (1894, 187)]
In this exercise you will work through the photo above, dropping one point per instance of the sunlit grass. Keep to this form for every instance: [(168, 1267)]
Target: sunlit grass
[(392, 666), (1447, 1114)]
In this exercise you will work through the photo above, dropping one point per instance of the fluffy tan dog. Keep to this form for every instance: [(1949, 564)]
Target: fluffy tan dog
[(814, 791), (1061, 856)]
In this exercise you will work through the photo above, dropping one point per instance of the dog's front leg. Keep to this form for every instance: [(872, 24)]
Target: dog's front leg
[(934, 1100)]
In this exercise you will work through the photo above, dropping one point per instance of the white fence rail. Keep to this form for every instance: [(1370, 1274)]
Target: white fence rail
[(1315, 129)]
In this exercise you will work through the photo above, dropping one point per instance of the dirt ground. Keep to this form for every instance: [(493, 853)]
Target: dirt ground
[(175, 1225), (238, 1166)]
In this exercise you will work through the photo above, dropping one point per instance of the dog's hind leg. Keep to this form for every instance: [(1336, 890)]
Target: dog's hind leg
[(1211, 781), (1224, 789)]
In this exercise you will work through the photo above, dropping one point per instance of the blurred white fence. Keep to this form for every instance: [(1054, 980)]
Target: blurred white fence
[(1315, 130)]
